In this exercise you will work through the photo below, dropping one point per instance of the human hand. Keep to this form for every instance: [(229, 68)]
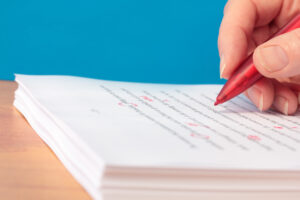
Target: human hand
[(246, 25)]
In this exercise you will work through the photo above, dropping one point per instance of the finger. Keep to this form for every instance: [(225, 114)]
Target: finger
[(259, 36), (289, 9), (280, 56), (291, 84), (262, 34), (240, 18), (290, 80), (285, 100), (261, 94), (294, 87)]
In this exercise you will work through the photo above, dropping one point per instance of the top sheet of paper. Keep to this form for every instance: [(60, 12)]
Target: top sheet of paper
[(154, 125)]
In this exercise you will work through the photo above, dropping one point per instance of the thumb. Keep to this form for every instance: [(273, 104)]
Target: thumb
[(280, 56)]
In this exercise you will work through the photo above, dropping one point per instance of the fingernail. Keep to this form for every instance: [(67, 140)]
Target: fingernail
[(282, 104), (256, 97), (273, 58), (222, 66)]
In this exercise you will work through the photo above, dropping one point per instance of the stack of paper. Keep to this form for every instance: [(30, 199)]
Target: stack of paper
[(162, 139)]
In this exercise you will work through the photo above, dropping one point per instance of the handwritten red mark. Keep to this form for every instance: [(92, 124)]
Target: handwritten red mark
[(193, 124), (294, 127), (124, 104), (207, 137), (254, 137), (200, 136), (121, 104), (196, 125), (165, 100), (278, 127), (147, 98)]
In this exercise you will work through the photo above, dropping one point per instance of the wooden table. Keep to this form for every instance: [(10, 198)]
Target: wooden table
[(28, 168)]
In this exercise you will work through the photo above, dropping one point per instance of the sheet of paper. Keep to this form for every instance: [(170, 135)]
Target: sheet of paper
[(132, 124)]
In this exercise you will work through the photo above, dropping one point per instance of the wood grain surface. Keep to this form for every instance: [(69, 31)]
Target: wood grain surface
[(28, 167)]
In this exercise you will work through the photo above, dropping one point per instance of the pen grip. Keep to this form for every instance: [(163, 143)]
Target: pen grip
[(247, 74)]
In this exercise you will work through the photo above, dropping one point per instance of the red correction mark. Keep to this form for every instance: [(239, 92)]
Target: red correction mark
[(124, 104), (147, 98), (121, 104), (196, 125), (165, 100), (254, 137), (278, 127), (200, 136), (192, 124), (294, 127)]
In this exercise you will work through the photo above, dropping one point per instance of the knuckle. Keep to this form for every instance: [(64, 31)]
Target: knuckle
[(226, 8), (228, 5), (294, 42)]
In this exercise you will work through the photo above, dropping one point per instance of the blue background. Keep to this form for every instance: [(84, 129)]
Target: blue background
[(170, 41)]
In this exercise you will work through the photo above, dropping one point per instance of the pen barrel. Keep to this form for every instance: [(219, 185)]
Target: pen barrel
[(241, 80)]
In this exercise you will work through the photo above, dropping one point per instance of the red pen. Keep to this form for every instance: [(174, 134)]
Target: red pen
[(246, 75)]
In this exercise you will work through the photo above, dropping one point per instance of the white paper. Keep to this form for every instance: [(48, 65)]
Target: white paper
[(174, 126)]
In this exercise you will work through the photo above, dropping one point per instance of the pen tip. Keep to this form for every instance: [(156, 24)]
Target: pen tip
[(217, 103)]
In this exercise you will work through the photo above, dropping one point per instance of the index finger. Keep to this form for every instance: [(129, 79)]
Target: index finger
[(240, 19)]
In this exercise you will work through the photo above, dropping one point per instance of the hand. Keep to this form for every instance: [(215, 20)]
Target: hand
[(246, 25)]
